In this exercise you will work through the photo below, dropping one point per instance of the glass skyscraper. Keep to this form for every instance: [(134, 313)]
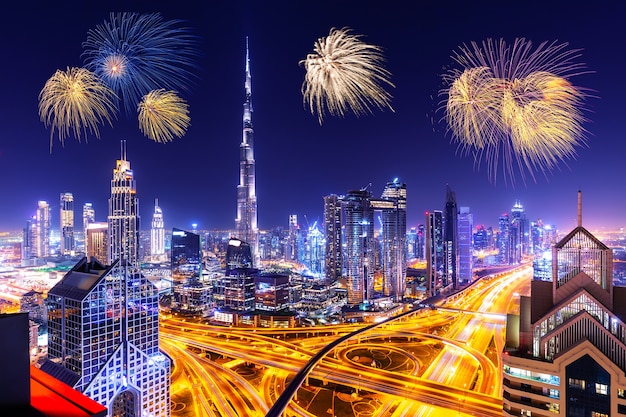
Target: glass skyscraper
[(392, 206), (42, 230), (359, 252), (434, 253), (332, 227), (465, 245), (103, 339), (450, 238)]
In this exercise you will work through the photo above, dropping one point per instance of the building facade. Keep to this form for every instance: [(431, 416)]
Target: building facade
[(333, 261), (42, 230), (567, 355), (450, 236)]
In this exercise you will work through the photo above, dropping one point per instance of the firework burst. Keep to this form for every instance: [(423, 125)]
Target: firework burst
[(163, 115), (345, 73), (75, 102), (137, 53), (514, 105)]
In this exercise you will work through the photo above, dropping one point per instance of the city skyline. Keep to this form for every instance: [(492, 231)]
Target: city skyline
[(299, 161)]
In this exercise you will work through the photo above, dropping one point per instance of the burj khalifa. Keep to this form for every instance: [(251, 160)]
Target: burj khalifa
[(246, 221)]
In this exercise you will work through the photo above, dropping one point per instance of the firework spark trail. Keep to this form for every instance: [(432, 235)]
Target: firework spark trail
[(163, 115), (344, 74), (514, 105), (75, 102), (137, 53)]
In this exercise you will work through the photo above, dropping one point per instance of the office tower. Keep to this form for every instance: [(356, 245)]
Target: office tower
[(566, 352), (333, 263), (238, 255), (450, 238), (271, 292), (89, 215), (186, 255), (504, 240), (392, 206), (42, 230), (519, 234), (465, 246), (67, 223), (97, 241), (291, 245), (29, 239), (246, 221), (421, 241), (434, 253), (103, 338), (481, 238), (157, 232), (236, 289), (359, 252), (411, 243), (123, 214), (314, 255)]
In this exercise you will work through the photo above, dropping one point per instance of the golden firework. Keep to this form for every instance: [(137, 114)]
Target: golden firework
[(514, 105), (345, 73), (163, 115), (75, 102)]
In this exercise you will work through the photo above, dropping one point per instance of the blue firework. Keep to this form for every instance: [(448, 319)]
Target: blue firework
[(137, 53)]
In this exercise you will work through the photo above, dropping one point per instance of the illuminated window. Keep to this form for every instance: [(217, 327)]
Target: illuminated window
[(597, 414), (577, 383), (602, 389), (621, 393)]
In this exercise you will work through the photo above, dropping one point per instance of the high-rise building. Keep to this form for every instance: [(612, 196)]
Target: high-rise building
[(465, 245), (42, 230), (103, 338), (314, 247), (332, 227), (504, 240), (360, 245), (157, 232), (450, 238), (89, 216), (519, 233), (392, 206), (123, 214), (67, 223), (434, 253), (271, 292), (235, 291), (246, 221), (29, 239), (566, 351), (97, 241), (186, 255)]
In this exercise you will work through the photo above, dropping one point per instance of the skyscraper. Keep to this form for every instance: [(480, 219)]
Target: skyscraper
[(434, 253), (89, 216), (67, 223), (566, 352), (97, 240), (42, 230), (359, 239), (519, 233), (246, 221), (392, 206), (504, 239), (450, 238), (103, 339), (332, 227), (465, 245), (123, 214), (186, 255), (157, 232)]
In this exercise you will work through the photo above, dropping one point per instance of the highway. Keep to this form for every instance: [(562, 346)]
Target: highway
[(443, 361)]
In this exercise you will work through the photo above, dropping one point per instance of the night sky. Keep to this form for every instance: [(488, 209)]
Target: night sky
[(297, 160)]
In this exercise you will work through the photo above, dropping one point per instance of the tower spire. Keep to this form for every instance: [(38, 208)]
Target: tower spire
[(580, 208)]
